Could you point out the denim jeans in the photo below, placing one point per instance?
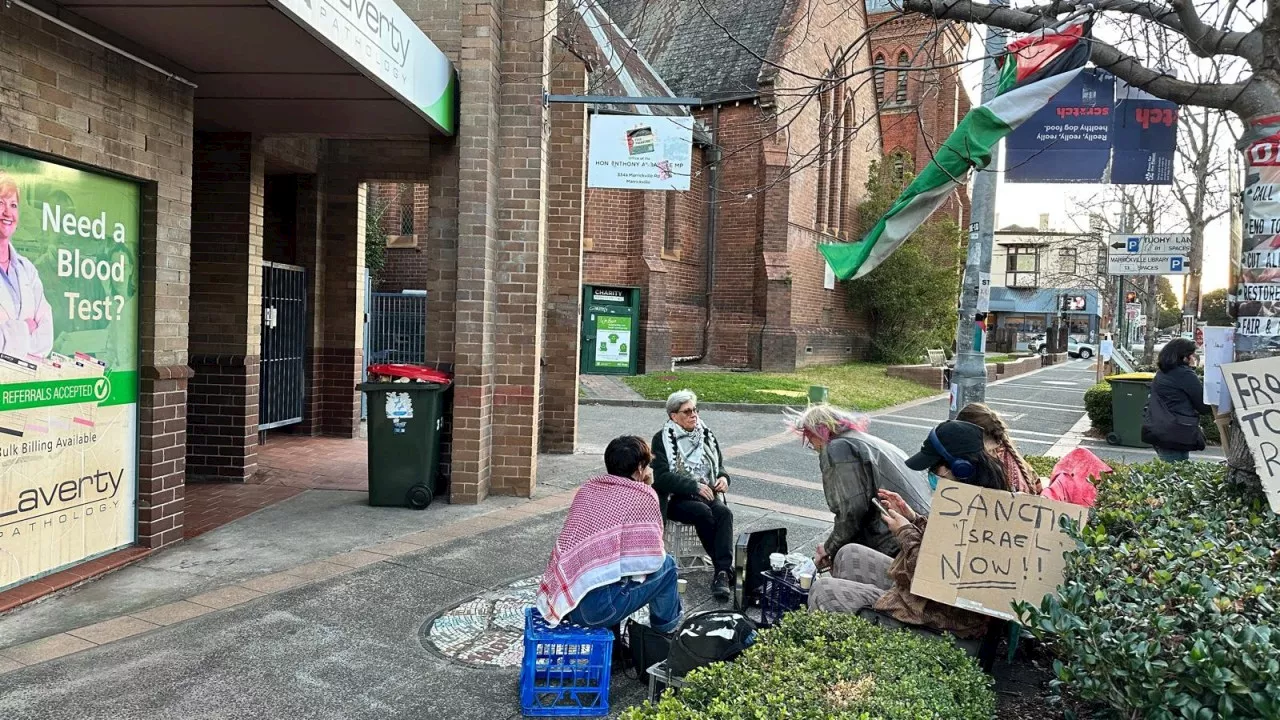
(609, 605)
(1173, 455)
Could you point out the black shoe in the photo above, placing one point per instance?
(721, 585)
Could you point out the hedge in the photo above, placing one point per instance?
(816, 665)
(1169, 607)
(1097, 404)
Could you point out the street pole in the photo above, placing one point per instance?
(969, 379)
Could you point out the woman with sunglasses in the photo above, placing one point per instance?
(862, 578)
(689, 477)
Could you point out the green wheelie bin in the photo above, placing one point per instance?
(1129, 393)
(406, 420)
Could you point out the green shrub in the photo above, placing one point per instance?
(1097, 403)
(1211, 433)
(816, 666)
(1169, 607)
(1042, 464)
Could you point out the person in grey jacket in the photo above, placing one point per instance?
(855, 466)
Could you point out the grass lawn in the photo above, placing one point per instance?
(862, 386)
(1000, 358)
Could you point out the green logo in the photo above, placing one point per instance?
(613, 338)
(101, 389)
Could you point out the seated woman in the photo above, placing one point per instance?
(1017, 471)
(855, 466)
(863, 578)
(609, 560)
(689, 477)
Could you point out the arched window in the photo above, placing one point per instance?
(899, 166)
(878, 74)
(904, 61)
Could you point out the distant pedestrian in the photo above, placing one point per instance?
(609, 560)
(690, 479)
(1172, 417)
(1019, 475)
(1106, 349)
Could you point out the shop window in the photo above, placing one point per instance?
(1067, 261)
(904, 61)
(1022, 266)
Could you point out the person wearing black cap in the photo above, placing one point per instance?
(862, 578)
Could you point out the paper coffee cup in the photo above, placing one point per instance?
(777, 561)
(806, 581)
(681, 585)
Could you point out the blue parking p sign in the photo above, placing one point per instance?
(1175, 264)
(1133, 244)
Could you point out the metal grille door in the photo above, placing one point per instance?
(282, 379)
(397, 327)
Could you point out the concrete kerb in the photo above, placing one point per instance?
(766, 408)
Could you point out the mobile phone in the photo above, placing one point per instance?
(883, 510)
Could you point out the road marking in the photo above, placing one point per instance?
(1059, 382)
(1042, 387)
(1103, 445)
(770, 477)
(882, 420)
(1072, 439)
(1036, 405)
(782, 508)
(763, 443)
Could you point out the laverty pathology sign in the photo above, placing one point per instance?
(377, 36)
(68, 365)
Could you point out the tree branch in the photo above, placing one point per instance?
(1224, 96)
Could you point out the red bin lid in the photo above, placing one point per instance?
(412, 372)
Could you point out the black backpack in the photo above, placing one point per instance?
(709, 637)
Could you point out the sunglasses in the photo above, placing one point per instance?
(689, 412)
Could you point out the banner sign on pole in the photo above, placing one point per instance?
(1144, 131)
(1069, 140)
(68, 365)
(1255, 395)
(1257, 309)
(640, 152)
(984, 550)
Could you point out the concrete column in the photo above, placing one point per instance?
(226, 306)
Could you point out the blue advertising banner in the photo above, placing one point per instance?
(1069, 141)
(1144, 131)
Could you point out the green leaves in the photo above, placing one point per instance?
(1168, 606)
(816, 666)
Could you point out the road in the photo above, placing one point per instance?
(1045, 410)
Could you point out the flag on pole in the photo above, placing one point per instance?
(1034, 69)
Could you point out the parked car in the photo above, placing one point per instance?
(1080, 349)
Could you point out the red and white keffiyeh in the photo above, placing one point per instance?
(614, 529)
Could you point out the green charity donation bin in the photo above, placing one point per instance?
(610, 330)
(406, 420)
(1129, 393)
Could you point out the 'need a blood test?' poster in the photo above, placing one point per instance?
(68, 365)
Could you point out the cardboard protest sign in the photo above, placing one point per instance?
(1255, 395)
(985, 549)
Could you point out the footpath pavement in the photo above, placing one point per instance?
(323, 607)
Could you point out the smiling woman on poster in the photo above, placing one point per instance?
(26, 320)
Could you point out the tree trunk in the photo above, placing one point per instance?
(1191, 299)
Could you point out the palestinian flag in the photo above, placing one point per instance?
(1035, 68)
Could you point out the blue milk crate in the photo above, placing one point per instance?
(779, 595)
(566, 669)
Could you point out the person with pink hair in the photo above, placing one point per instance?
(855, 467)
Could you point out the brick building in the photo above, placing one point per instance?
(729, 271)
(922, 95)
(242, 167)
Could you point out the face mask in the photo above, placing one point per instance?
(933, 481)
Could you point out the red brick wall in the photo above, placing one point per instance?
(70, 98)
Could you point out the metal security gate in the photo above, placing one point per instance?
(282, 374)
(395, 329)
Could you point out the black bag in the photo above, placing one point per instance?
(709, 637)
(1164, 429)
(645, 647)
(752, 558)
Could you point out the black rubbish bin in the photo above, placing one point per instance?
(406, 420)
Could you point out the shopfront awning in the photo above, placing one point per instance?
(1044, 301)
(344, 68)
